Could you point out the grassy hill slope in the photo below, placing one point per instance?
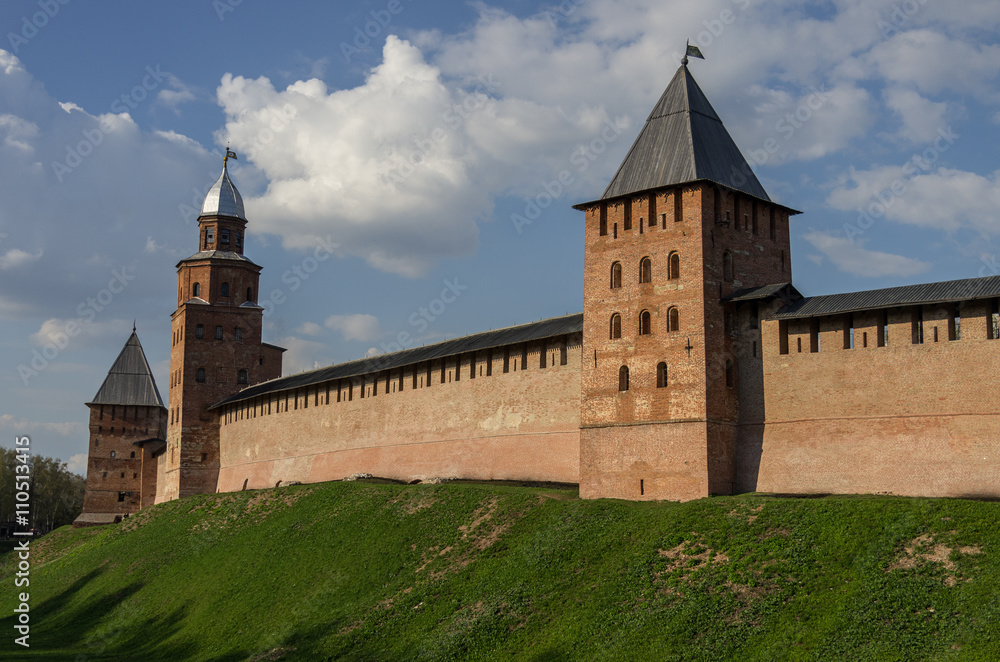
(369, 571)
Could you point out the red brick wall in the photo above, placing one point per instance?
(695, 354)
(116, 428)
(522, 425)
(906, 419)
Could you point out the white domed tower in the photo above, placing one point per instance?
(216, 347)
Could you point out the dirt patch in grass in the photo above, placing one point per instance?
(924, 551)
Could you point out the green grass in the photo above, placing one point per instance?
(368, 571)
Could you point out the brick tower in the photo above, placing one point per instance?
(683, 228)
(128, 423)
(216, 347)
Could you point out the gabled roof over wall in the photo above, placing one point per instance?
(555, 326)
(130, 381)
(968, 289)
(683, 141)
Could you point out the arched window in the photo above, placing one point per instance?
(199, 375)
(661, 374)
(674, 270)
(623, 378)
(730, 377)
(645, 270)
(673, 320)
(237, 333)
(112, 453)
(616, 275)
(196, 290)
(616, 326)
(250, 294)
(241, 377)
(224, 291)
(644, 323)
(727, 266)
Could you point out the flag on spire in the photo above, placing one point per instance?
(693, 51)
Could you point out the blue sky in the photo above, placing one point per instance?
(406, 135)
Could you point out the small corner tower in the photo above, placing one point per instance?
(128, 424)
(683, 224)
(216, 347)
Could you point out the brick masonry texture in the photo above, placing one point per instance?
(519, 425)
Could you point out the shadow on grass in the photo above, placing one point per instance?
(89, 630)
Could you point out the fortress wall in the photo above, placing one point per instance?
(520, 425)
(904, 418)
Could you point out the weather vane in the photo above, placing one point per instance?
(691, 51)
(230, 154)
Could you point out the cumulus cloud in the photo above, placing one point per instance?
(921, 118)
(78, 464)
(19, 133)
(946, 199)
(15, 258)
(61, 332)
(310, 329)
(301, 355)
(74, 428)
(853, 258)
(355, 327)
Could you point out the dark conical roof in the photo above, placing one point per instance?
(683, 141)
(130, 381)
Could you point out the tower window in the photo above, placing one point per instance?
(644, 323)
(209, 236)
(645, 270)
(121, 495)
(674, 266)
(623, 378)
(218, 333)
(250, 294)
(223, 236)
(616, 275)
(199, 375)
(604, 220)
(616, 326)
(196, 289)
(661, 374)
(673, 319)
(773, 229)
(239, 239)
(199, 331)
(730, 376)
(237, 333)
(112, 453)
(132, 455)
(628, 215)
(224, 290)
(727, 266)
(241, 377)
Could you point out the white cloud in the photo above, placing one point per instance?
(19, 132)
(61, 332)
(301, 355)
(945, 199)
(310, 329)
(78, 464)
(853, 258)
(15, 258)
(921, 117)
(74, 428)
(355, 327)
(172, 98)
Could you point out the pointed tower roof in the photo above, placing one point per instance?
(223, 199)
(683, 141)
(130, 381)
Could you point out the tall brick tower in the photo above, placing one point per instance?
(682, 230)
(216, 347)
(128, 423)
